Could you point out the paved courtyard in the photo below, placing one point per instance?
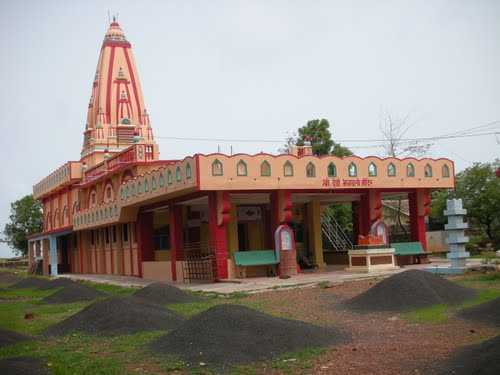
(332, 274)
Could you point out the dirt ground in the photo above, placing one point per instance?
(381, 343)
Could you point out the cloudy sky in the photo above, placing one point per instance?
(249, 70)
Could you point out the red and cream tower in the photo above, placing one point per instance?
(117, 116)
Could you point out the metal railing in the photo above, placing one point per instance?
(334, 233)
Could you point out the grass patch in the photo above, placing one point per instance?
(440, 313)
(192, 308)
(433, 314)
(111, 289)
(29, 293)
(12, 315)
(84, 354)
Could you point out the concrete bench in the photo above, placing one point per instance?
(409, 252)
(249, 258)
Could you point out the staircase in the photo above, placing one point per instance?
(334, 233)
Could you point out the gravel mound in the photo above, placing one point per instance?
(8, 278)
(231, 334)
(10, 337)
(408, 290)
(479, 359)
(31, 282)
(117, 315)
(73, 293)
(163, 293)
(488, 312)
(23, 366)
(60, 282)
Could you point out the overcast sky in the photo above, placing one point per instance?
(249, 69)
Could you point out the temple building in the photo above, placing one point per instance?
(122, 210)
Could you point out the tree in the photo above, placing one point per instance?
(479, 189)
(318, 133)
(25, 219)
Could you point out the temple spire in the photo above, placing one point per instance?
(116, 108)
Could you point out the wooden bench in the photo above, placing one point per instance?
(409, 252)
(249, 258)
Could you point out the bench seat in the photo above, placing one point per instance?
(255, 258)
(408, 248)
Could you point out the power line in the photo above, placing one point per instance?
(241, 140)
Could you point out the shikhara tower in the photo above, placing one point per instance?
(117, 116)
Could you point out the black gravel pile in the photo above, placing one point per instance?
(479, 359)
(73, 293)
(8, 278)
(10, 337)
(225, 335)
(409, 290)
(23, 366)
(31, 282)
(60, 282)
(117, 315)
(163, 293)
(488, 312)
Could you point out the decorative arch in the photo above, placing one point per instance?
(189, 173)
(427, 170)
(217, 168)
(310, 170)
(56, 219)
(65, 216)
(170, 177)
(445, 171)
(178, 174)
(109, 192)
(265, 169)
(391, 170)
(372, 170)
(92, 198)
(352, 170)
(410, 170)
(288, 169)
(127, 175)
(241, 168)
(332, 170)
(48, 221)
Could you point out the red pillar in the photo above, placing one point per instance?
(145, 238)
(363, 214)
(176, 240)
(219, 208)
(419, 202)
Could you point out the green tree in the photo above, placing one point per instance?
(25, 219)
(318, 133)
(479, 189)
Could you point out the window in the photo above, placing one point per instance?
(310, 170)
(188, 171)
(241, 168)
(161, 238)
(446, 171)
(372, 170)
(125, 232)
(178, 176)
(162, 180)
(265, 169)
(146, 185)
(410, 170)
(170, 178)
(428, 170)
(114, 233)
(139, 188)
(217, 169)
(391, 170)
(332, 170)
(288, 169)
(352, 170)
(153, 183)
